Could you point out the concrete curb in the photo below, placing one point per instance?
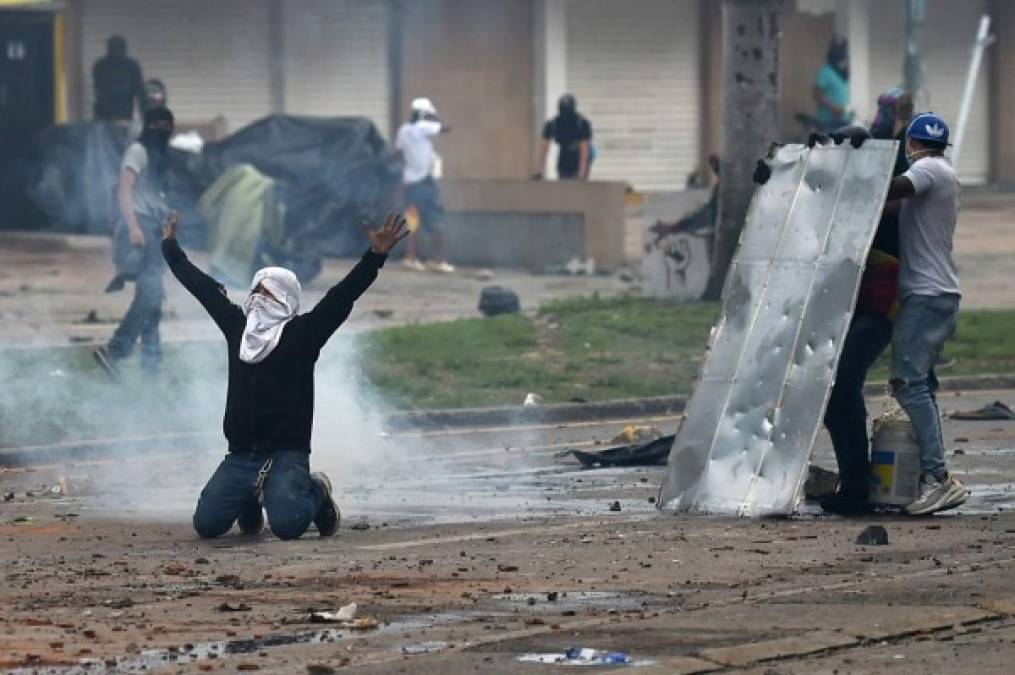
(656, 406)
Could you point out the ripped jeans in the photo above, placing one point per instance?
(291, 498)
(924, 324)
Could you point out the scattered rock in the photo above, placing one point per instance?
(875, 535)
(384, 313)
(8, 496)
(507, 568)
(241, 607)
(360, 525)
(319, 669)
(615, 506)
(959, 451)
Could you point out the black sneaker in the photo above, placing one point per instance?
(107, 363)
(252, 522)
(845, 504)
(328, 518)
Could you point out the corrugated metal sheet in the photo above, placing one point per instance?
(950, 30)
(787, 303)
(633, 66)
(337, 59)
(213, 56)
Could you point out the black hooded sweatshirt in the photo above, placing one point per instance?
(118, 82)
(270, 405)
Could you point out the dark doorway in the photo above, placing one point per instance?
(26, 106)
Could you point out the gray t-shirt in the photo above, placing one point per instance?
(927, 229)
(149, 198)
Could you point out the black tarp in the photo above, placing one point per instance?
(332, 174)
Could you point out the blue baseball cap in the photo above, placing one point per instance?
(928, 127)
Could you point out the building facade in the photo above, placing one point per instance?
(647, 73)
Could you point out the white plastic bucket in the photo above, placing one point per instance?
(895, 464)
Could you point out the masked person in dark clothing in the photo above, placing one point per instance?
(870, 331)
(141, 198)
(118, 82)
(272, 351)
(573, 133)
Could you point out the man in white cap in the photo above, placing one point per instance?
(421, 196)
(272, 350)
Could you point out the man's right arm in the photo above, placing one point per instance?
(205, 289)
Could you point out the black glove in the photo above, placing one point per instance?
(817, 138)
(762, 172)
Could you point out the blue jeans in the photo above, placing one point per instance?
(145, 312)
(291, 498)
(846, 415)
(924, 324)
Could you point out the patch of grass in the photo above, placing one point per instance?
(589, 348)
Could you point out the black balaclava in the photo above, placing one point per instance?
(156, 141)
(838, 57)
(567, 115)
(116, 46)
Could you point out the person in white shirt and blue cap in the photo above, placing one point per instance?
(929, 296)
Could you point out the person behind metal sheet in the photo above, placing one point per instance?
(421, 197)
(272, 352)
(572, 132)
(142, 208)
(118, 82)
(929, 294)
(831, 88)
(870, 331)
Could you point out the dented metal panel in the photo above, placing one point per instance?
(744, 445)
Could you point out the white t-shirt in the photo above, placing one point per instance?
(415, 141)
(927, 230)
(149, 200)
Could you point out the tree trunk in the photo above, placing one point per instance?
(750, 118)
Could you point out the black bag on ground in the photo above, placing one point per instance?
(494, 300)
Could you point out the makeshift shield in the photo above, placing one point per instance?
(787, 303)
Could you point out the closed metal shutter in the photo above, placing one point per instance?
(633, 66)
(214, 57)
(950, 29)
(337, 59)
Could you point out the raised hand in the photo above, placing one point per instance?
(392, 232)
(169, 228)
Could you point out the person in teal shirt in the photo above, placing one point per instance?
(831, 88)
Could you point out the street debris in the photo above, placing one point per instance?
(345, 617)
(615, 506)
(633, 433)
(8, 496)
(582, 656)
(384, 313)
(992, 411)
(653, 453)
(240, 607)
(875, 535)
(820, 482)
(361, 524)
(319, 669)
(532, 399)
(494, 300)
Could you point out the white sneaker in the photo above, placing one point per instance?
(413, 264)
(441, 267)
(936, 495)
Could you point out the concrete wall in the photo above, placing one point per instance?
(542, 223)
(475, 61)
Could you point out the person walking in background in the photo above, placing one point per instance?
(421, 196)
(142, 206)
(831, 88)
(573, 134)
(118, 83)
